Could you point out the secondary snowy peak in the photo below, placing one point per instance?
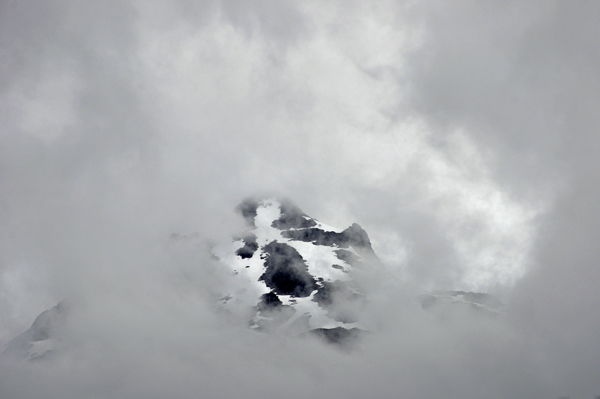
(293, 272)
(474, 301)
(42, 338)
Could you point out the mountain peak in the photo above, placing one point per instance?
(294, 272)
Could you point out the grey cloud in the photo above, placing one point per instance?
(468, 130)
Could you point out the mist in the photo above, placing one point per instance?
(461, 136)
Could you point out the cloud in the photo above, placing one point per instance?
(462, 137)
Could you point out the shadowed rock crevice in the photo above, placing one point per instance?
(286, 272)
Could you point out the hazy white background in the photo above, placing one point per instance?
(461, 135)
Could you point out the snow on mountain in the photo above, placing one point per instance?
(292, 273)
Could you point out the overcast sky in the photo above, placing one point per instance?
(463, 136)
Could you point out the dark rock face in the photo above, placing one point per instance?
(292, 217)
(286, 272)
(273, 311)
(250, 246)
(357, 237)
(269, 301)
(317, 237)
(348, 257)
(353, 236)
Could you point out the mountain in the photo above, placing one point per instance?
(286, 272)
(292, 273)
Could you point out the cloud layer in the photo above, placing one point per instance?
(461, 136)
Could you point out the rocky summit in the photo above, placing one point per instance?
(292, 273)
